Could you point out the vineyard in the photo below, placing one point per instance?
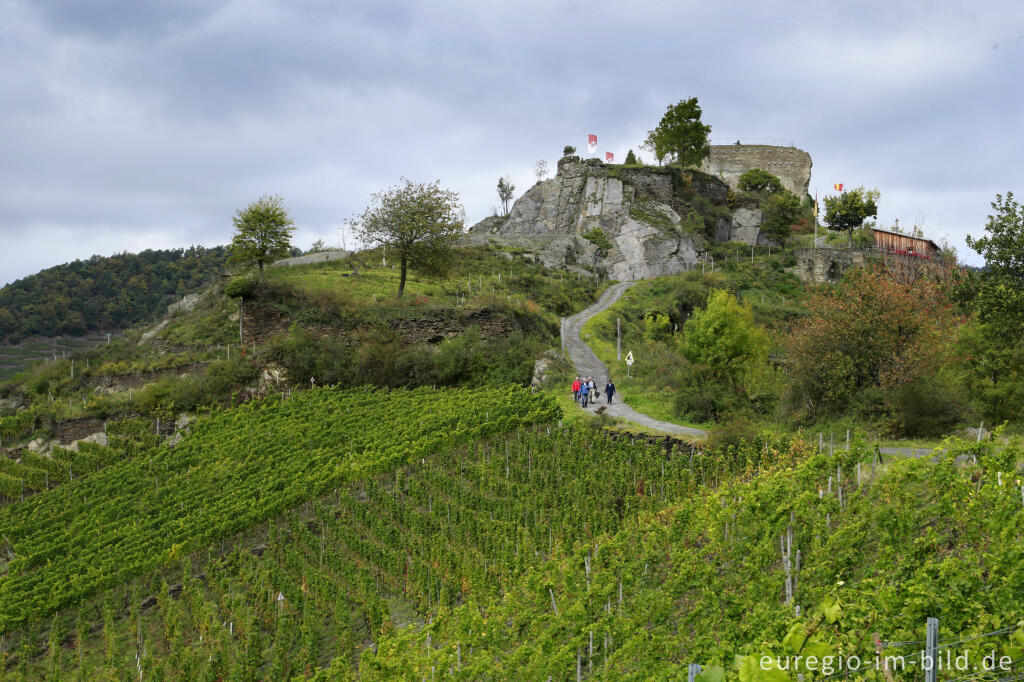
(464, 533)
(238, 468)
(803, 553)
(36, 472)
(324, 580)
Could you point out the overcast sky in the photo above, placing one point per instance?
(147, 123)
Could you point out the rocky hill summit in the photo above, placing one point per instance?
(630, 222)
(640, 222)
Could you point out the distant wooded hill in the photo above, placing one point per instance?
(104, 293)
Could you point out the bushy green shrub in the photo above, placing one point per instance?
(657, 325)
(240, 287)
(735, 431)
(928, 406)
(598, 238)
(757, 180)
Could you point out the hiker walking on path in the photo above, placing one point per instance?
(576, 390)
(584, 393)
(609, 390)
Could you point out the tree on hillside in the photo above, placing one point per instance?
(724, 338)
(846, 212)
(867, 343)
(680, 136)
(568, 150)
(1000, 286)
(262, 232)
(781, 211)
(757, 180)
(541, 169)
(631, 158)
(418, 223)
(506, 191)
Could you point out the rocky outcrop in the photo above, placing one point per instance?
(99, 438)
(318, 257)
(12, 403)
(746, 225)
(620, 220)
(151, 334)
(185, 305)
(542, 369)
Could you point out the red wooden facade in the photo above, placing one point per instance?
(904, 244)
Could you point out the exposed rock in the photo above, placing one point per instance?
(489, 225)
(971, 433)
(553, 218)
(148, 336)
(99, 438)
(271, 377)
(746, 225)
(541, 367)
(319, 257)
(13, 403)
(181, 427)
(185, 305)
(42, 446)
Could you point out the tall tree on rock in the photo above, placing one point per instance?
(417, 222)
(846, 212)
(506, 191)
(262, 232)
(680, 136)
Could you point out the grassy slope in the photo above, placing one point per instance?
(322, 296)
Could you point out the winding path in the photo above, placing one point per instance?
(587, 364)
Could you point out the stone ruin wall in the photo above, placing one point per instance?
(791, 165)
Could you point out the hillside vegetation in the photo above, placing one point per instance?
(393, 534)
(700, 576)
(339, 323)
(104, 293)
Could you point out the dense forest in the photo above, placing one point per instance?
(104, 293)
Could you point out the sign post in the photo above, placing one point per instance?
(629, 362)
(618, 338)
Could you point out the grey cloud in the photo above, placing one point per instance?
(162, 118)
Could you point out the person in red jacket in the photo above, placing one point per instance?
(576, 390)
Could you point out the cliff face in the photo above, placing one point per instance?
(623, 220)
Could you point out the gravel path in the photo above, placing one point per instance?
(587, 364)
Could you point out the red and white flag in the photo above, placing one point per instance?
(838, 186)
(609, 157)
(591, 144)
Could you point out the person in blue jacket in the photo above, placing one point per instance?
(584, 393)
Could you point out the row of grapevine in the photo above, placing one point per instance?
(705, 581)
(17, 425)
(236, 469)
(463, 524)
(36, 472)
